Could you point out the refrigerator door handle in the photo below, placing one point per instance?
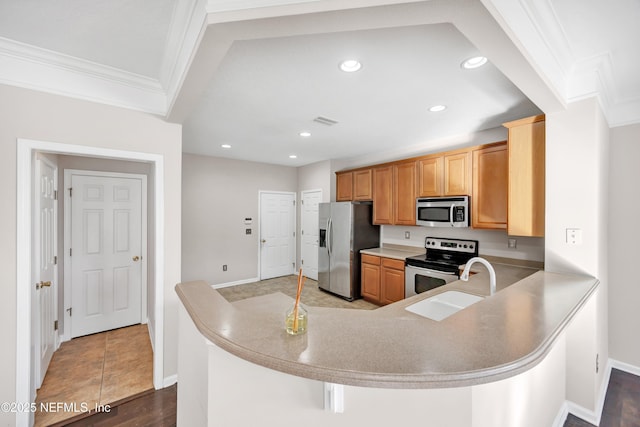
(329, 235)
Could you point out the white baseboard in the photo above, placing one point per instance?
(151, 336)
(170, 380)
(239, 282)
(594, 417)
(631, 369)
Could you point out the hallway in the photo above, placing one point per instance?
(95, 371)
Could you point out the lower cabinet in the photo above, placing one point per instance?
(382, 279)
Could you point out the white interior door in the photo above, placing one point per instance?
(45, 264)
(277, 234)
(106, 253)
(310, 231)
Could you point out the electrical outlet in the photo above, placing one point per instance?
(574, 236)
(513, 243)
(247, 231)
(407, 235)
(224, 267)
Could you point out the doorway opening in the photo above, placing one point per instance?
(26, 150)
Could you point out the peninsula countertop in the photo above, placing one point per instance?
(498, 337)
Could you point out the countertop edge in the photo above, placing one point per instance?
(370, 379)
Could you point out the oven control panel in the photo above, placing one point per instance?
(451, 245)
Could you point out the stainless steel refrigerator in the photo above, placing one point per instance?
(345, 229)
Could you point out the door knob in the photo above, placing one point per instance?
(43, 284)
(263, 241)
(136, 258)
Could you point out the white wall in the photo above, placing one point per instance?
(32, 115)
(218, 194)
(624, 235)
(577, 183)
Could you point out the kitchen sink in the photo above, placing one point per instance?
(443, 305)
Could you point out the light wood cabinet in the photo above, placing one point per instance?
(490, 185)
(370, 278)
(362, 185)
(430, 176)
(445, 174)
(383, 195)
(404, 193)
(344, 186)
(391, 281)
(526, 191)
(382, 280)
(457, 174)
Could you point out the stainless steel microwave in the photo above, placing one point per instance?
(443, 211)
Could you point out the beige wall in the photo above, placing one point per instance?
(32, 115)
(624, 235)
(218, 194)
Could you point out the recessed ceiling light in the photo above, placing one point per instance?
(437, 108)
(350, 65)
(293, 156)
(475, 62)
(305, 134)
(225, 146)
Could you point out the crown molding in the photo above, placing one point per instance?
(40, 69)
(534, 26)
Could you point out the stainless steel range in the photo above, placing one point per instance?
(439, 265)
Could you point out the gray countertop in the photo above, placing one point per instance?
(498, 337)
(395, 252)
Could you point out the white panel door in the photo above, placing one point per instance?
(310, 231)
(45, 247)
(277, 234)
(106, 244)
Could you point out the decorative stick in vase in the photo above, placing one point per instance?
(301, 280)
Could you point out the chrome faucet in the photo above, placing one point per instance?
(492, 272)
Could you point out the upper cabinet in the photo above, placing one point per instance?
(404, 191)
(344, 186)
(383, 195)
(354, 185)
(526, 147)
(445, 174)
(490, 184)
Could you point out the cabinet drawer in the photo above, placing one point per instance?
(393, 263)
(370, 259)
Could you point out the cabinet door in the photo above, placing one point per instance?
(404, 186)
(362, 188)
(391, 281)
(457, 174)
(383, 195)
(430, 174)
(490, 184)
(344, 187)
(370, 280)
(526, 177)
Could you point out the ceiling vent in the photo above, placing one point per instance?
(325, 121)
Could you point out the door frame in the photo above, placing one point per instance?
(295, 239)
(25, 150)
(68, 174)
(302, 194)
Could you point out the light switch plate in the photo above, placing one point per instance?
(574, 236)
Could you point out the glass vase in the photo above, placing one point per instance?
(293, 326)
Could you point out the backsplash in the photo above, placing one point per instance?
(492, 242)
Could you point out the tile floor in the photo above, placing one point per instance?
(101, 369)
(311, 294)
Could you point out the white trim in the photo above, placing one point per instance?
(170, 380)
(622, 366)
(237, 282)
(24, 152)
(68, 174)
(562, 415)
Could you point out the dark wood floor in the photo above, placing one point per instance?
(155, 409)
(621, 405)
(621, 408)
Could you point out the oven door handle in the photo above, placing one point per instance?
(428, 270)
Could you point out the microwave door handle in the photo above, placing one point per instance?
(453, 205)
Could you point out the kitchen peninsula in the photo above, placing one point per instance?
(500, 362)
